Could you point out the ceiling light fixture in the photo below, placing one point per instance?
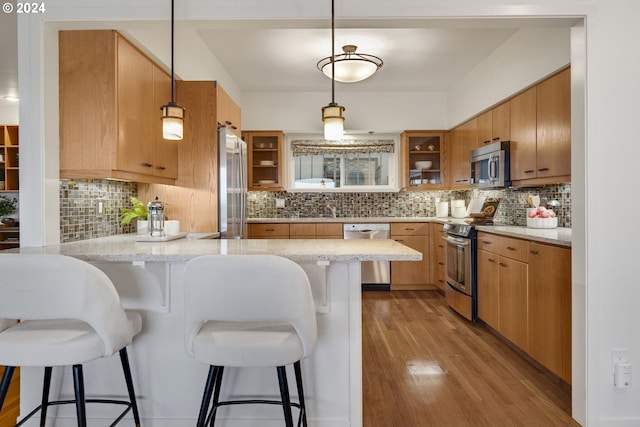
(332, 113)
(351, 66)
(172, 113)
(11, 98)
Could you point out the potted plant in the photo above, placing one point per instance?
(139, 212)
(8, 206)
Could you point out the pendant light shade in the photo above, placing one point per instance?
(172, 113)
(351, 66)
(332, 114)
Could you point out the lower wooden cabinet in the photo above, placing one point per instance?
(268, 231)
(550, 307)
(11, 408)
(406, 275)
(438, 253)
(524, 293)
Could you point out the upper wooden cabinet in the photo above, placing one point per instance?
(264, 160)
(464, 138)
(494, 125)
(419, 146)
(110, 99)
(228, 113)
(541, 132)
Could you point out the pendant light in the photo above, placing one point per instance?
(332, 113)
(351, 66)
(172, 113)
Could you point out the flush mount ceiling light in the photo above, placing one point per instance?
(11, 98)
(172, 113)
(332, 113)
(351, 66)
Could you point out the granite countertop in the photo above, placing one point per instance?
(557, 236)
(124, 248)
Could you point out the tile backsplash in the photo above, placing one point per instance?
(262, 204)
(80, 218)
(80, 200)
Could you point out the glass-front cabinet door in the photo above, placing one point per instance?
(423, 160)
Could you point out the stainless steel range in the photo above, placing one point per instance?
(461, 267)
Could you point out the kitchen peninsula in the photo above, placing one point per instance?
(149, 278)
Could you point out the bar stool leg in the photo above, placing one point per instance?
(126, 368)
(216, 394)
(78, 385)
(206, 397)
(5, 383)
(303, 408)
(284, 393)
(46, 386)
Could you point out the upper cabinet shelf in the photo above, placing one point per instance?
(110, 99)
(9, 158)
(422, 160)
(264, 161)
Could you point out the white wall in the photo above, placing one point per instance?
(608, 153)
(9, 115)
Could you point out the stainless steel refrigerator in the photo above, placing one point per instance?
(232, 185)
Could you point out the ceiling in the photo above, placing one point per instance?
(419, 55)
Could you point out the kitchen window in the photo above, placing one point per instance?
(351, 164)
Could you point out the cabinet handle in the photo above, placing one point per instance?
(486, 242)
(227, 122)
(487, 141)
(441, 246)
(492, 260)
(511, 248)
(502, 264)
(399, 240)
(543, 169)
(534, 252)
(462, 180)
(161, 168)
(269, 229)
(497, 138)
(441, 263)
(529, 171)
(409, 229)
(146, 165)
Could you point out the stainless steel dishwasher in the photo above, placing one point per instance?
(375, 274)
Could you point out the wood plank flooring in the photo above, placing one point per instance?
(423, 366)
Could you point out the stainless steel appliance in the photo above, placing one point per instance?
(461, 268)
(376, 275)
(490, 166)
(156, 218)
(232, 185)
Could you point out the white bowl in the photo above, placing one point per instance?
(426, 164)
(542, 222)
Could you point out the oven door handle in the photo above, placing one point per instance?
(461, 242)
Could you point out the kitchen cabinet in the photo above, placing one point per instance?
(268, 231)
(494, 125)
(11, 408)
(265, 160)
(407, 275)
(463, 139)
(503, 286)
(9, 159)
(110, 98)
(438, 254)
(541, 132)
(420, 146)
(550, 307)
(320, 230)
(228, 112)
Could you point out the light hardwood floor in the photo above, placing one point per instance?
(423, 365)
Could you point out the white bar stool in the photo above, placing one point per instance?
(248, 311)
(69, 313)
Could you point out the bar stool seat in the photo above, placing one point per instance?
(248, 311)
(69, 313)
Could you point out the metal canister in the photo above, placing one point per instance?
(156, 218)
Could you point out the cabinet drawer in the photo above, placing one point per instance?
(410, 228)
(257, 231)
(514, 248)
(302, 230)
(329, 230)
(488, 242)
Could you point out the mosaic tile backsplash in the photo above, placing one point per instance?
(262, 204)
(81, 220)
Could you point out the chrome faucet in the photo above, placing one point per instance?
(333, 210)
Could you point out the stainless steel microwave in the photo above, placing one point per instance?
(490, 166)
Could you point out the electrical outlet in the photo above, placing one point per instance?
(279, 203)
(618, 355)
